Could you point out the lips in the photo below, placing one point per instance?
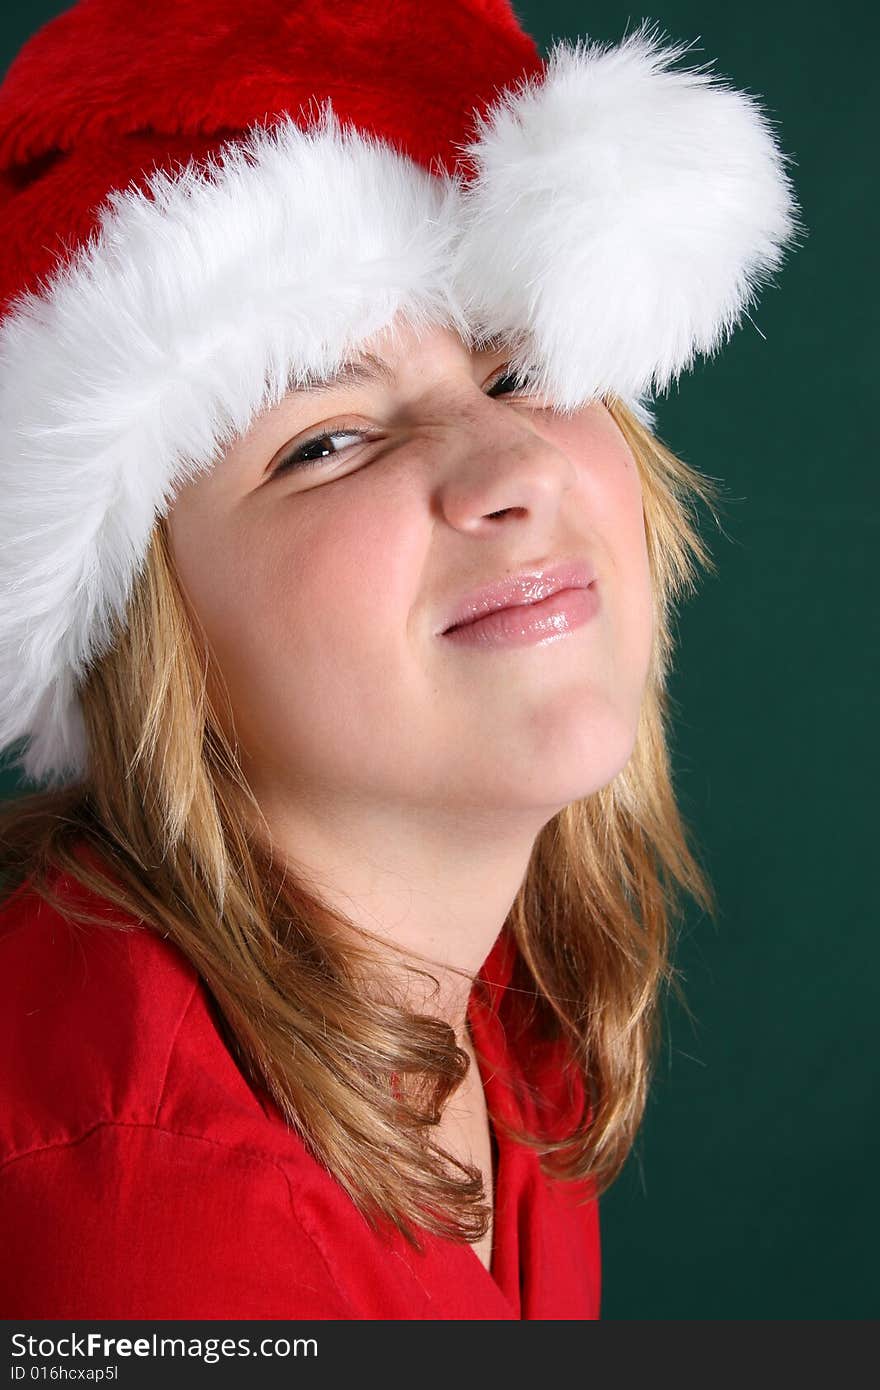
(528, 587)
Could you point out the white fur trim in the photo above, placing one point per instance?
(624, 212)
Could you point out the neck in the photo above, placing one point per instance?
(433, 890)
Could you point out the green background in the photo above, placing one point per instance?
(751, 1190)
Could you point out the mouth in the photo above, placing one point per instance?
(529, 589)
(562, 612)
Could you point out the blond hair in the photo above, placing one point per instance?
(167, 804)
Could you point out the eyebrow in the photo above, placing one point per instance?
(365, 369)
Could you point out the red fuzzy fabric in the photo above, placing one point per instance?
(107, 90)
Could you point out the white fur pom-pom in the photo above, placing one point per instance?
(620, 218)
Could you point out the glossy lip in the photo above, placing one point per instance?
(529, 624)
(528, 587)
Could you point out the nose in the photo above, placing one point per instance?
(498, 464)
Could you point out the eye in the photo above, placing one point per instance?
(315, 451)
(518, 382)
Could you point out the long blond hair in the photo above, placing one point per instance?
(360, 1078)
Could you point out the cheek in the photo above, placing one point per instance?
(307, 616)
(612, 525)
(609, 482)
(339, 580)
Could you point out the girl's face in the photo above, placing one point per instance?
(324, 589)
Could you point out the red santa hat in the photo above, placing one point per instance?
(206, 203)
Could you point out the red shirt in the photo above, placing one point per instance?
(141, 1176)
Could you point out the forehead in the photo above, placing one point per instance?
(400, 357)
(386, 356)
